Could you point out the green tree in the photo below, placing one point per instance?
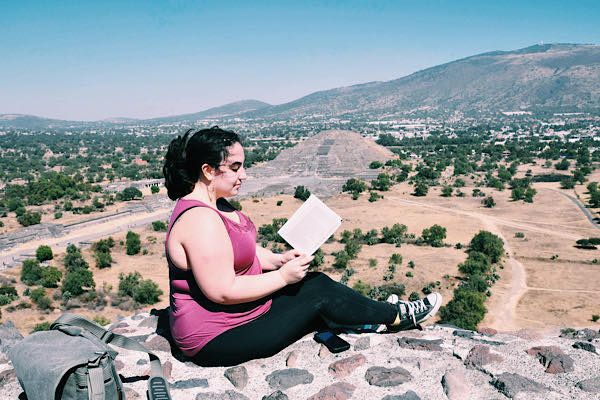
(447, 191)
(434, 235)
(31, 272)
(562, 165)
(130, 193)
(159, 226)
(393, 235)
(489, 244)
(50, 277)
(77, 281)
(44, 253)
(30, 218)
(147, 292)
(302, 193)
(103, 259)
(375, 164)
(421, 189)
(488, 202)
(133, 243)
(465, 310)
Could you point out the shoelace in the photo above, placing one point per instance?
(412, 307)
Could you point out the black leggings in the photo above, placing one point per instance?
(311, 304)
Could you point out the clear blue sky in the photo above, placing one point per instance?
(91, 60)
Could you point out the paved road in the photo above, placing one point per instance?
(581, 206)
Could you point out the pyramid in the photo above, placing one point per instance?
(322, 163)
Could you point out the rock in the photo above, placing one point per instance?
(167, 368)
(142, 361)
(149, 322)
(119, 365)
(463, 334)
(324, 352)
(121, 331)
(118, 325)
(480, 355)
(227, 395)
(190, 383)
(286, 378)
(420, 344)
(455, 385)
(510, 384)
(414, 362)
(158, 343)
(346, 366)
(292, 359)
(362, 343)
(487, 331)
(137, 317)
(528, 334)
(7, 376)
(553, 358)
(381, 376)
(9, 336)
(410, 395)
(584, 334)
(587, 346)
(238, 376)
(337, 391)
(591, 385)
(131, 394)
(140, 338)
(278, 395)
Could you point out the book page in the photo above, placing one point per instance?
(310, 226)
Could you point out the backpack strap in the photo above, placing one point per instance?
(157, 378)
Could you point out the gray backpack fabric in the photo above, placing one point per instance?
(72, 361)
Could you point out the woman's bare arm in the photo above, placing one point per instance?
(210, 257)
(269, 261)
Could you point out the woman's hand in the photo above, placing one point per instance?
(295, 269)
(288, 256)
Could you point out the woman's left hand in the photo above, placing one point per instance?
(288, 256)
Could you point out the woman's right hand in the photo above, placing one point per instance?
(295, 270)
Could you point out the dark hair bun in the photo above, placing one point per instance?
(187, 154)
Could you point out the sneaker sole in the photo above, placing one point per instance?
(436, 307)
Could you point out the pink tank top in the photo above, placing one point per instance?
(194, 319)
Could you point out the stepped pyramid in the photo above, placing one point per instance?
(322, 163)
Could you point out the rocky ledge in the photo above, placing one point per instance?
(439, 362)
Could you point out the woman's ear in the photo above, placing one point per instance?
(208, 172)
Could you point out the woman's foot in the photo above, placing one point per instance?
(412, 313)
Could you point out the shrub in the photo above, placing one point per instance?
(142, 291)
(159, 226)
(58, 215)
(382, 292)
(488, 244)
(130, 193)
(447, 191)
(133, 243)
(268, 232)
(103, 260)
(382, 183)
(394, 234)
(465, 310)
(411, 264)
(318, 260)
(31, 272)
(519, 235)
(302, 193)
(352, 248)
(73, 259)
(154, 189)
(42, 326)
(374, 196)
(372, 262)
(30, 218)
(414, 296)
(44, 253)
(434, 235)
(595, 317)
(236, 204)
(279, 203)
(421, 189)
(488, 202)
(409, 274)
(396, 259)
(101, 319)
(128, 283)
(375, 165)
(50, 277)
(341, 259)
(8, 294)
(77, 281)
(354, 185)
(362, 288)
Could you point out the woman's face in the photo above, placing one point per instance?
(231, 172)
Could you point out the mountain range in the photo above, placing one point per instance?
(539, 78)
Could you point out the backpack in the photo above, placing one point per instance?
(72, 361)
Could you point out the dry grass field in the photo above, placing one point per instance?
(534, 291)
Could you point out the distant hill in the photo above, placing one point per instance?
(547, 78)
(551, 77)
(226, 110)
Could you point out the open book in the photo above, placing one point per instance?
(310, 226)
